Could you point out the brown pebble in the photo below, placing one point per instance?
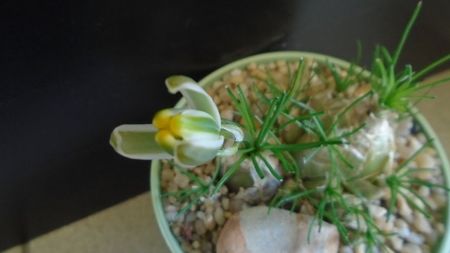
(200, 227)
(210, 223)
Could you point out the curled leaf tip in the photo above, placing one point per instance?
(196, 97)
(176, 82)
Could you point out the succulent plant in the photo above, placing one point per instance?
(365, 155)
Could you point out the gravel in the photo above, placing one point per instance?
(198, 229)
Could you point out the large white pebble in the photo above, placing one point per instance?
(255, 230)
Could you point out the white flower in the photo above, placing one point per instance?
(191, 136)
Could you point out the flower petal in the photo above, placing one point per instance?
(191, 154)
(137, 142)
(194, 124)
(196, 96)
(232, 131)
(229, 151)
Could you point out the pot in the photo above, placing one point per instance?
(442, 247)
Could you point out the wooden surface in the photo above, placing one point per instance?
(127, 227)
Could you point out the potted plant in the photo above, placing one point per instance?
(313, 149)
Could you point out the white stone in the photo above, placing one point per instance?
(255, 230)
(421, 223)
(396, 242)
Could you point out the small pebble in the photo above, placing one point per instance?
(414, 238)
(172, 187)
(404, 127)
(200, 228)
(421, 223)
(236, 205)
(195, 244)
(440, 200)
(307, 208)
(440, 228)
(224, 190)
(176, 230)
(216, 99)
(170, 208)
(226, 203)
(360, 248)
(190, 217)
(411, 248)
(424, 191)
(227, 114)
(396, 242)
(402, 228)
(377, 211)
(424, 160)
(172, 200)
(206, 247)
(346, 249)
(385, 225)
(403, 208)
(181, 180)
(356, 222)
(200, 215)
(166, 175)
(218, 216)
(210, 224)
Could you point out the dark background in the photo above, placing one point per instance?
(70, 71)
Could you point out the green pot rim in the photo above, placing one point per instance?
(442, 247)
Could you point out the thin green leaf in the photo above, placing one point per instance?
(406, 33)
(413, 156)
(431, 67)
(414, 205)
(270, 167)
(299, 118)
(228, 173)
(355, 102)
(272, 115)
(300, 146)
(257, 167)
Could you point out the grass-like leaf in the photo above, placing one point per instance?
(228, 174)
(300, 146)
(257, 167)
(270, 167)
(397, 89)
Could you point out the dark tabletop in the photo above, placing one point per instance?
(70, 71)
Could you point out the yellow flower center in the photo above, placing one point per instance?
(168, 129)
(162, 119)
(174, 126)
